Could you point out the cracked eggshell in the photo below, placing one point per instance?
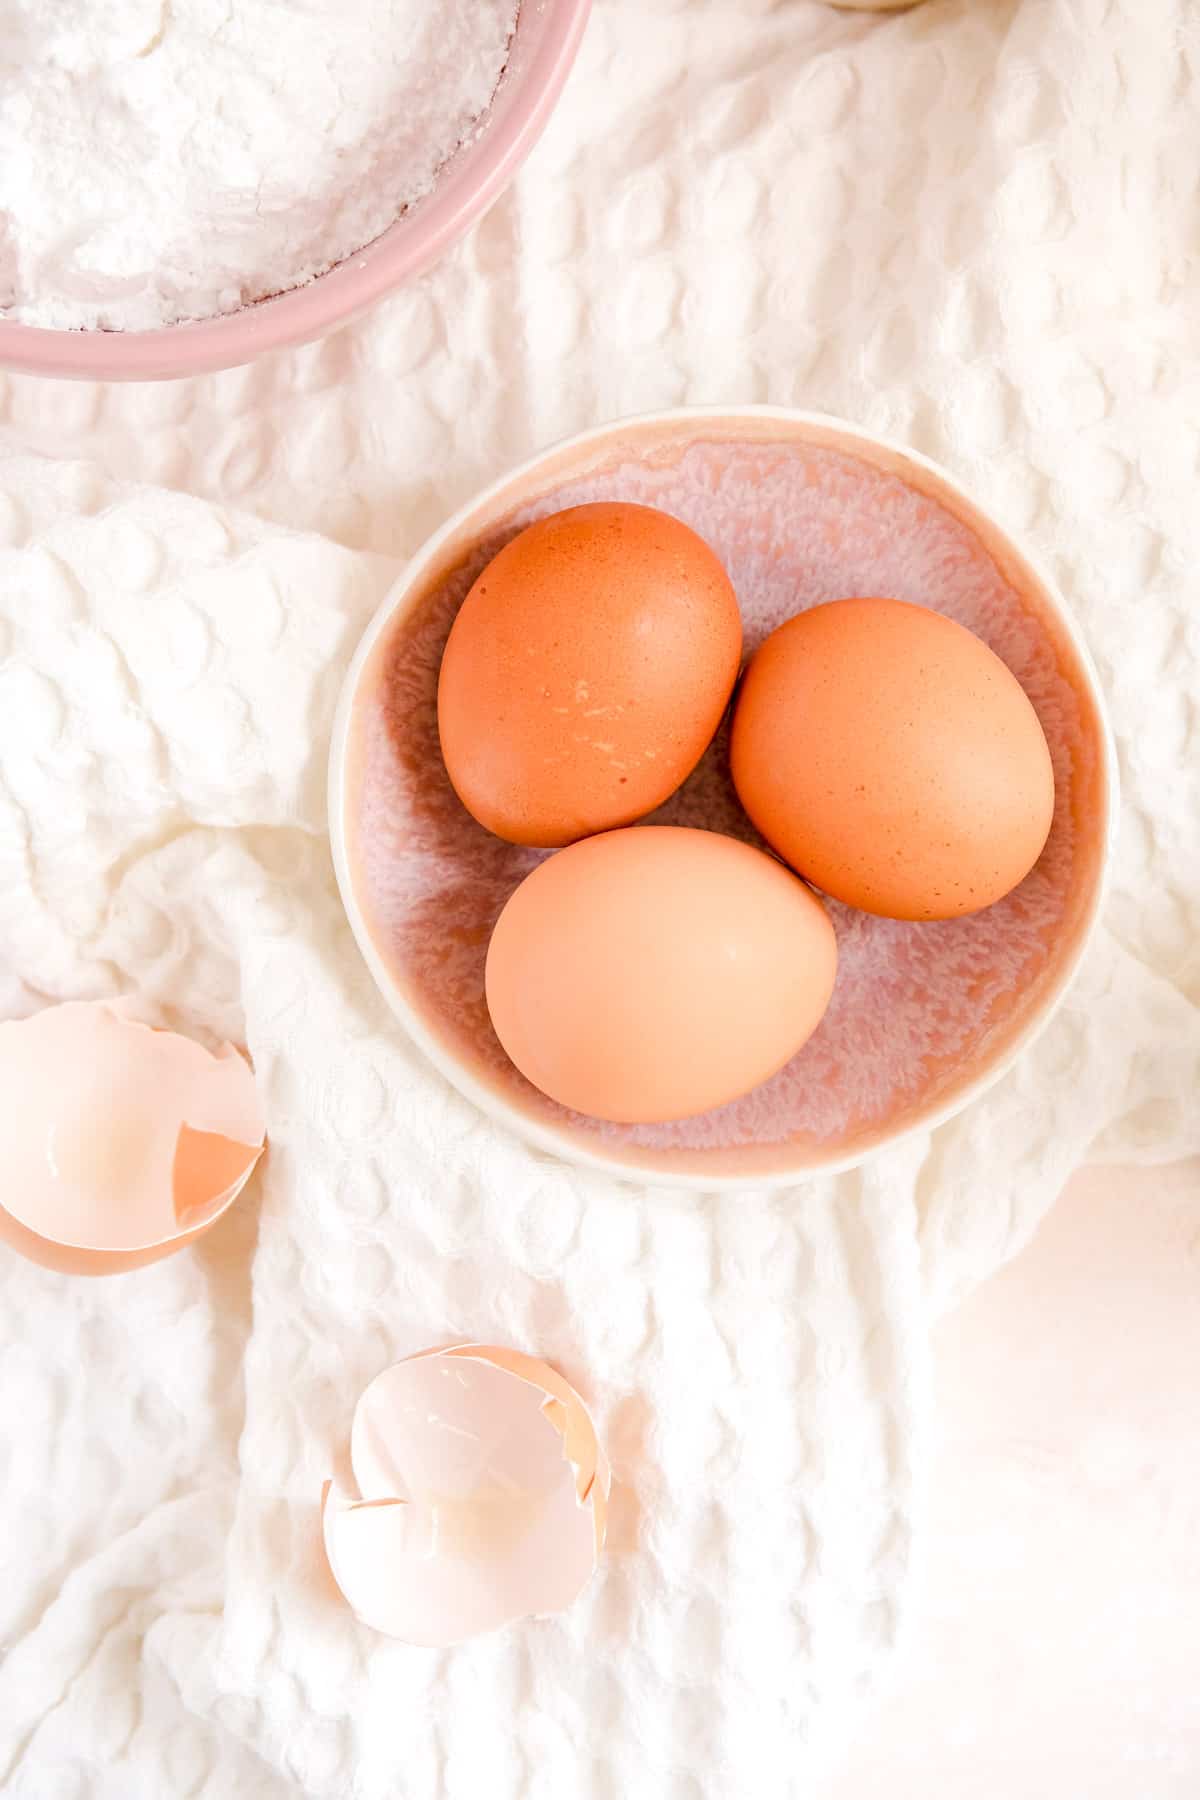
(121, 1143)
(484, 1494)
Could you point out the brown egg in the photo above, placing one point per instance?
(654, 973)
(892, 759)
(586, 672)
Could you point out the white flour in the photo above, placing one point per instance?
(163, 160)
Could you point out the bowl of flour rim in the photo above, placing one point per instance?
(539, 59)
(802, 509)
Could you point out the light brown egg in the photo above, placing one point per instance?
(586, 672)
(653, 973)
(893, 759)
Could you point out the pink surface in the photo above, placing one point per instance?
(548, 35)
(1055, 1638)
(919, 1011)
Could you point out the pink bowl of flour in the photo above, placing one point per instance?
(802, 509)
(548, 34)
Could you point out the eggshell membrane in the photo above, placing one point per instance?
(892, 758)
(586, 672)
(654, 972)
(123, 1144)
(484, 1494)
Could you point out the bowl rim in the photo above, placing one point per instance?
(342, 293)
(544, 1137)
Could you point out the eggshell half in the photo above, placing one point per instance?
(653, 973)
(586, 672)
(122, 1143)
(483, 1496)
(892, 758)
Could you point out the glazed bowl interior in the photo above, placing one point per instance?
(802, 509)
(544, 46)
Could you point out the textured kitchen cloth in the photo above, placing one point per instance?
(971, 226)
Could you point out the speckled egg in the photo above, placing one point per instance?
(586, 672)
(892, 758)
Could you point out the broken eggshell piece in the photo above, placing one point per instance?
(484, 1496)
(121, 1143)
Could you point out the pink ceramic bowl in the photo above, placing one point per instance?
(548, 35)
(802, 509)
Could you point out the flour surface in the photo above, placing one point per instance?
(163, 160)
